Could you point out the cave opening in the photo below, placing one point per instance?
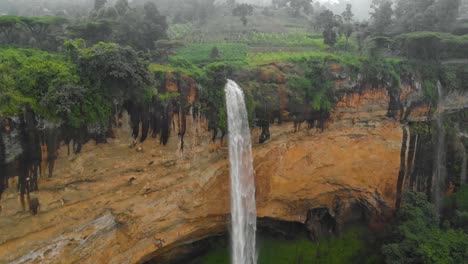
(321, 237)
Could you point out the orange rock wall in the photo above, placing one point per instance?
(112, 204)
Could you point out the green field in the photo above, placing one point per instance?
(313, 41)
(200, 53)
(265, 58)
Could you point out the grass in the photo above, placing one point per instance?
(350, 248)
(266, 58)
(200, 53)
(178, 31)
(192, 70)
(295, 39)
(223, 27)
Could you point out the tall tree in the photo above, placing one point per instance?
(348, 13)
(98, 4)
(122, 7)
(154, 25)
(115, 71)
(447, 12)
(92, 32)
(242, 11)
(347, 27)
(328, 22)
(300, 5)
(141, 28)
(426, 15)
(42, 27)
(414, 15)
(381, 16)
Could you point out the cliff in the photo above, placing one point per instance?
(113, 204)
(125, 203)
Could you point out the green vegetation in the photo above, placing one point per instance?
(180, 66)
(433, 45)
(79, 68)
(28, 76)
(200, 53)
(79, 90)
(420, 237)
(352, 247)
(266, 58)
(178, 31)
(293, 39)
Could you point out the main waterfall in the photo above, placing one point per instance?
(243, 211)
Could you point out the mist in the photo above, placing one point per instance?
(51, 7)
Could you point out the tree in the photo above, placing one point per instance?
(98, 4)
(215, 53)
(418, 237)
(41, 27)
(414, 15)
(154, 25)
(420, 45)
(464, 9)
(242, 11)
(122, 7)
(381, 16)
(92, 32)
(327, 21)
(362, 34)
(426, 15)
(347, 27)
(231, 3)
(447, 12)
(201, 10)
(115, 71)
(7, 27)
(300, 5)
(165, 48)
(348, 15)
(27, 76)
(66, 102)
(141, 28)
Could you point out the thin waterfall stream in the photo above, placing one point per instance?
(440, 171)
(243, 208)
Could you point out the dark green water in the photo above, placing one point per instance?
(355, 246)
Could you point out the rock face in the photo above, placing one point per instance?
(130, 202)
(114, 204)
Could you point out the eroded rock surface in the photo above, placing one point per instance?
(114, 204)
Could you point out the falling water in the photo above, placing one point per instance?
(464, 173)
(243, 211)
(440, 171)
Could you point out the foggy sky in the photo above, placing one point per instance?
(361, 8)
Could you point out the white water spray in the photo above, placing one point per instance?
(243, 211)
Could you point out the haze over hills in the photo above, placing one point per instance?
(48, 7)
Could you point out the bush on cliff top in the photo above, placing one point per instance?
(432, 45)
(27, 76)
(78, 90)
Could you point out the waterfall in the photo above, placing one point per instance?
(463, 173)
(243, 211)
(439, 173)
